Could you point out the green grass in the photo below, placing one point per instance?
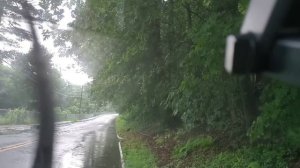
(198, 152)
(192, 145)
(17, 116)
(244, 158)
(136, 153)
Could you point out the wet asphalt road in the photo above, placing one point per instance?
(91, 143)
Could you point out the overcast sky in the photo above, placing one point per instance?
(69, 68)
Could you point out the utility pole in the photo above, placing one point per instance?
(80, 99)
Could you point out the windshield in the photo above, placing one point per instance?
(138, 84)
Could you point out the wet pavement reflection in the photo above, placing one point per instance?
(103, 150)
(90, 143)
(97, 148)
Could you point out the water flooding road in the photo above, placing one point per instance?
(91, 143)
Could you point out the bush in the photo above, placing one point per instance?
(18, 116)
(249, 158)
(193, 145)
(279, 121)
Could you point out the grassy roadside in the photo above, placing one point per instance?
(193, 150)
(18, 116)
(137, 153)
(181, 149)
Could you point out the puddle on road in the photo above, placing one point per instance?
(72, 161)
(99, 150)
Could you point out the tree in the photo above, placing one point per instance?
(164, 63)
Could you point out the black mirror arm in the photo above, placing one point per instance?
(268, 42)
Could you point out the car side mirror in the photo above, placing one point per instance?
(268, 42)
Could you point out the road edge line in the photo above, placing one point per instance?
(120, 149)
(16, 146)
(121, 154)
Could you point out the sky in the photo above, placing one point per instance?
(70, 70)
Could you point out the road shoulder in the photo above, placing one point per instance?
(135, 151)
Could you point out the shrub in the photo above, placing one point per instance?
(18, 116)
(192, 145)
(249, 158)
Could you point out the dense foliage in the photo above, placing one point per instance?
(162, 67)
(166, 63)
